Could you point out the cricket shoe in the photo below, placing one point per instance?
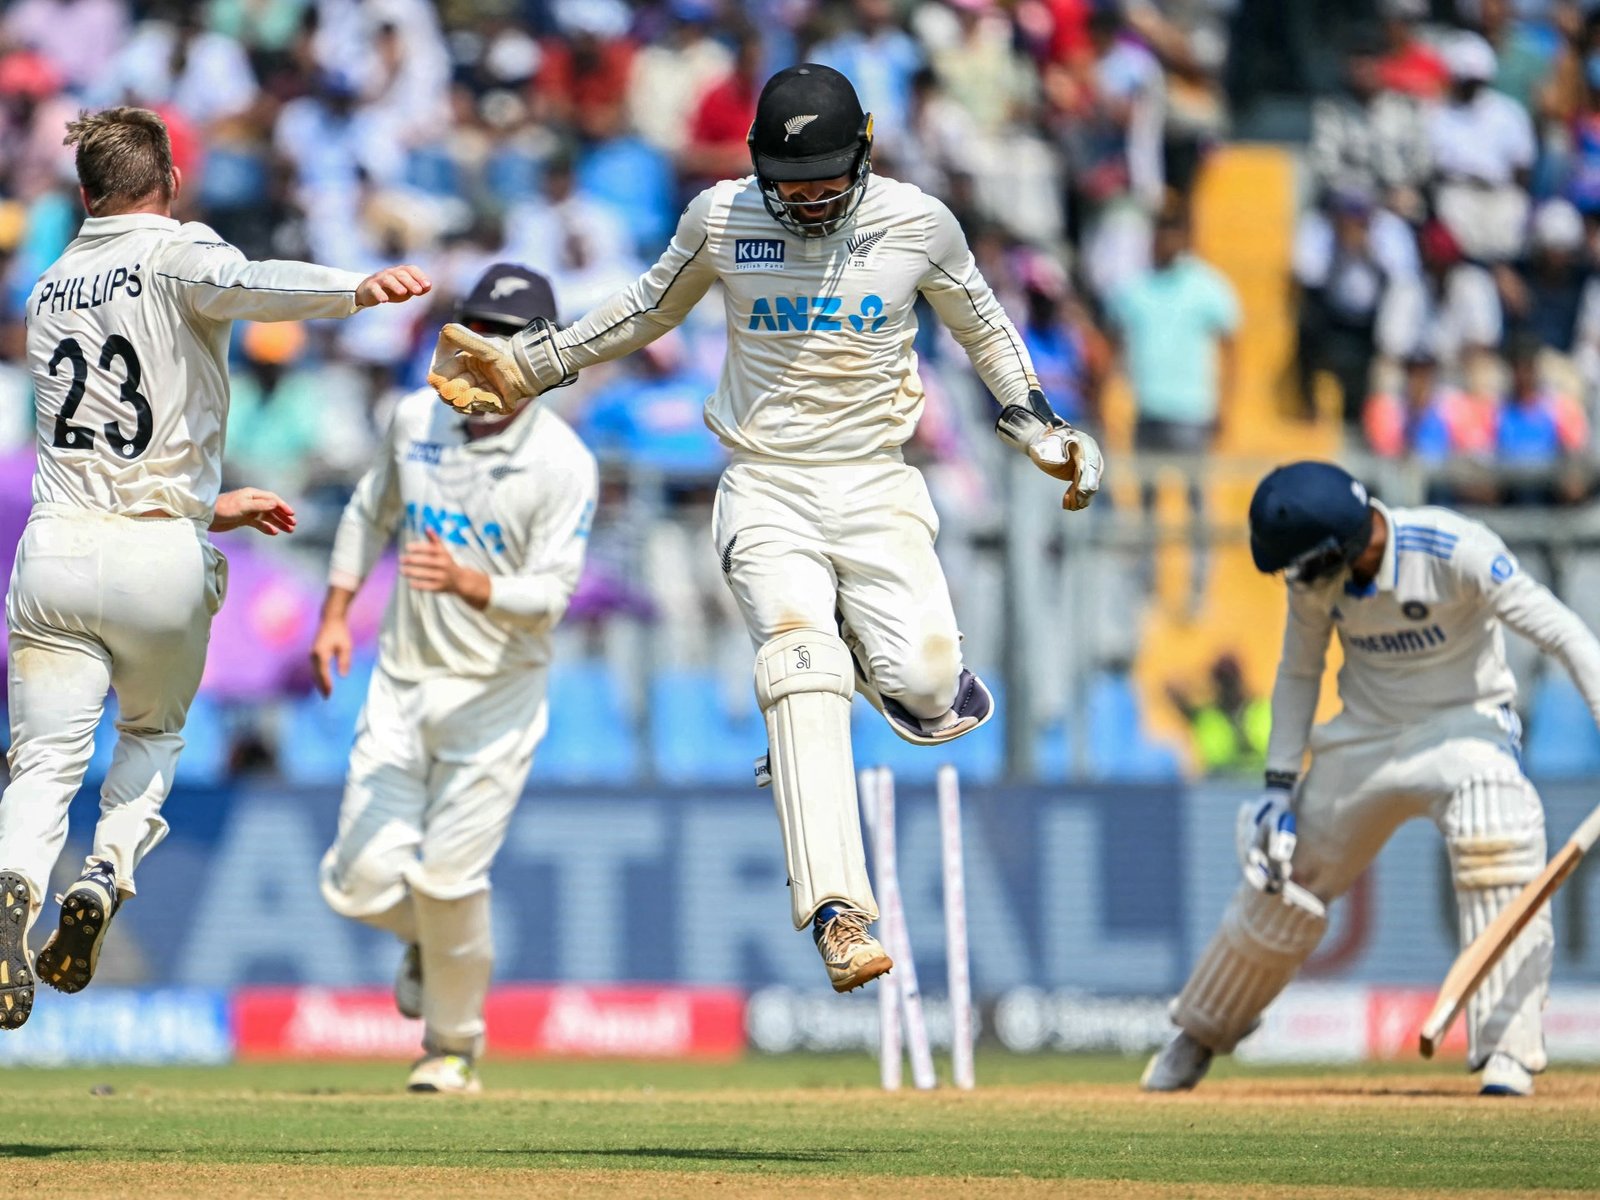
(16, 973)
(445, 1073)
(1181, 1063)
(68, 959)
(1505, 1076)
(408, 983)
(852, 955)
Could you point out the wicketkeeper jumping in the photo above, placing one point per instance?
(825, 534)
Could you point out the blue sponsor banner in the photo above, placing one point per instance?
(1109, 889)
(165, 1026)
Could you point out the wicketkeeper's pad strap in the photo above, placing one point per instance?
(539, 357)
(1021, 424)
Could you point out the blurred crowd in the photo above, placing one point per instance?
(567, 135)
(1447, 264)
(1443, 263)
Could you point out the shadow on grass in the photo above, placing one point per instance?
(355, 1156)
(713, 1153)
(34, 1150)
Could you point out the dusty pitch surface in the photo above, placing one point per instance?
(791, 1128)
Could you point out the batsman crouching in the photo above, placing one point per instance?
(493, 518)
(1419, 597)
(824, 533)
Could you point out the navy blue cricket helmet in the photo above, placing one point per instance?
(1309, 519)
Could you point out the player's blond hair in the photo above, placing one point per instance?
(124, 155)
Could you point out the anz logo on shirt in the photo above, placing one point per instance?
(815, 314)
(453, 528)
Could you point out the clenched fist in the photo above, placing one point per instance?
(477, 373)
(1055, 447)
(1069, 454)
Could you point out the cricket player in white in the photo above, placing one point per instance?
(493, 516)
(115, 583)
(1419, 598)
(825, 534)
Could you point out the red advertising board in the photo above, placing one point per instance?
(1394, 1019)
(524, 1021)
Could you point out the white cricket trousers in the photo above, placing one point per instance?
(98, 602)
(803, 546)
(436, 772)
(1459, 769)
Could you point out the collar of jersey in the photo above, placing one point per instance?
(508, 439)
(106, 226)
(1388, 571)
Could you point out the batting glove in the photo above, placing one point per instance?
(1055, 447)
(1265, 834)
(477, 373)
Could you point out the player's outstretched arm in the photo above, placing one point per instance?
(219, 283)
(253, 508)
(477, 374)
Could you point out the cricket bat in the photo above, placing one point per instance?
(1477, 960)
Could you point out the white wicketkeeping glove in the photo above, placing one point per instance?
(477, 373)
(1265, 836)
(1055, 447)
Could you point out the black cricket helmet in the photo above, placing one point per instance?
(506, 297)
(1309, 520)
(809, 125)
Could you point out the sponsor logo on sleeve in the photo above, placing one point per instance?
(1502, 568)
(425, 452)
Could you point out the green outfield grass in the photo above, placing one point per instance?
(801, 1125)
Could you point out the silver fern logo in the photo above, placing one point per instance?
(508, 285)
(861, 245)
(795, 124)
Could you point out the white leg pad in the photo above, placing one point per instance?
(457, 959)
(804, 681)
(1495, 830)
(1253, 956)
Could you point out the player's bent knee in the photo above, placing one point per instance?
(361, 887)
(442, 883)
(1495, 834)
(1268, 924)
(925, 684)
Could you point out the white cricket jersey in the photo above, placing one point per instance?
(1425, 635)
(516, 505)
(128, 346)
(819, 366)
